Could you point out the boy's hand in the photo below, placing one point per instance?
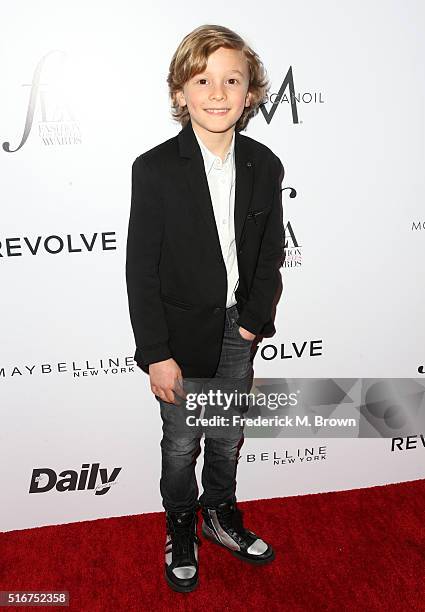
(166, 378)
(246, 334)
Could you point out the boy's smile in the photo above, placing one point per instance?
(216, 98)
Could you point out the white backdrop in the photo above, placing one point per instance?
(83, 93)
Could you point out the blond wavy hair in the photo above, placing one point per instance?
(191, 58)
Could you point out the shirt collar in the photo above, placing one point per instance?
(209, 157)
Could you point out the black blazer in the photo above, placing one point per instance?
(175, 273)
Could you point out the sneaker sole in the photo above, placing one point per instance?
(180, 588)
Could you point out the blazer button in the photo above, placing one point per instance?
(217, 310)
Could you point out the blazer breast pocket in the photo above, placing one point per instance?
(258, 215)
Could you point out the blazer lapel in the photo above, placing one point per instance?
(198, 183)
(244, 164)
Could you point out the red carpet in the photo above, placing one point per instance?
(352, 550)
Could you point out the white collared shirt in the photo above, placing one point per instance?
(221, 178)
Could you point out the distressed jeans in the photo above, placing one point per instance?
(180, 444)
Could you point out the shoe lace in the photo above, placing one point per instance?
(183, 536)
(230, 518)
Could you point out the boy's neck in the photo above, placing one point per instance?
(217, 142)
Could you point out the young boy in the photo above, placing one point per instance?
(204, 248)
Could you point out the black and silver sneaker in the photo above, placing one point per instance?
(223, 525)
(181, 550)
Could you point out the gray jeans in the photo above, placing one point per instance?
(180, 444)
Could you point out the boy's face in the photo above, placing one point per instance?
(223, 85)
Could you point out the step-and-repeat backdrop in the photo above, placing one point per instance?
(83, 93)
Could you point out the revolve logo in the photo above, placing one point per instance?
(408, 443)
(292, 350)
(55, 244)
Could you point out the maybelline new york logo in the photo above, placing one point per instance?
(49, 95)
(91, 477)
(285, 456)
(77, 369)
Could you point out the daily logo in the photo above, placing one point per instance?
(90, 477)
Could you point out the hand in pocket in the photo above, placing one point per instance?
(245, 334)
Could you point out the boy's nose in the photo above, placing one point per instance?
(217, 93)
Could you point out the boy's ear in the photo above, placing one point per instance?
(180, 98)
(248, 99)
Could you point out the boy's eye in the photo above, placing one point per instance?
(231, 79)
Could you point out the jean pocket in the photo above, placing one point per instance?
(238, 327)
